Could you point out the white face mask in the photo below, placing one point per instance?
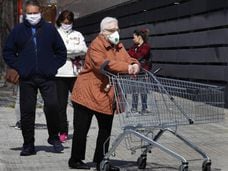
(114, 38)
(33, 19)
(66, 27)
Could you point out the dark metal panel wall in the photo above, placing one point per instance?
(189, 38)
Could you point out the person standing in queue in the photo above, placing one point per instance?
(67, 74)
(91, 95)
(141, 51)
(36, 51)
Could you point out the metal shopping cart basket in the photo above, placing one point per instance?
(169, 103)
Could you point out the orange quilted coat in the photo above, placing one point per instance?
(89, 88)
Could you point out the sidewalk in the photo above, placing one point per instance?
(212, 138)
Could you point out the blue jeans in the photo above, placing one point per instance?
(135, 101)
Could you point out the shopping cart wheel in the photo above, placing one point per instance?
(206, 166)
(183, 167)
(105, 166)
(141, 162)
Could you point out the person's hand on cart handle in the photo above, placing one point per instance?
(130, 69)
(133, 69)
(136, 68)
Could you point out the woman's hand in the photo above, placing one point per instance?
(130, 69)
(136, 68)
(133, 69)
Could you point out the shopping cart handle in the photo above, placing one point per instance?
(156, 71)
(103, 67)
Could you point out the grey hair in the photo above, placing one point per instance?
(33, 2)
(105, 23)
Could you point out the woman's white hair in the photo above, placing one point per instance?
(105, 23)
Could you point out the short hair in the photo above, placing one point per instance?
(106, 21)
(65, 15)
(33, 2)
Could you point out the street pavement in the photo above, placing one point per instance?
(212, 138)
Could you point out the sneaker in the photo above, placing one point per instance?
(18, 125)
(28, 150)
(57, 145)
(134, 110)
(63, 137)
(145, 111)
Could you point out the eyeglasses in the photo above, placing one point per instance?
(113, 30)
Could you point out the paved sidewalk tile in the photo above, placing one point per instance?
(211, 138)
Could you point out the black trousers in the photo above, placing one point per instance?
(82, 121)
(64, 86)
(28, 97)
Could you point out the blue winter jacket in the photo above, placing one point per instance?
(41, 58)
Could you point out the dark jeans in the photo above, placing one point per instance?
(143, 100)
(64, 86)
(28, 97)
(82, 121)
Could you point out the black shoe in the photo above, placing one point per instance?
(58, 147)
(74, 164)
(111, 168)
(28, 150)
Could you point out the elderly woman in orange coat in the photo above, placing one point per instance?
(90, 96)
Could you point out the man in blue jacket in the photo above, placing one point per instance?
(36, 51)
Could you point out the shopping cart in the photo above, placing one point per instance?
(170, 103)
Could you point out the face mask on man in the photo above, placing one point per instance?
(33, 19)
(114, 38)
(66, 27)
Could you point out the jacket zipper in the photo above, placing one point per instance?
(36, 58)
(35, 46)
